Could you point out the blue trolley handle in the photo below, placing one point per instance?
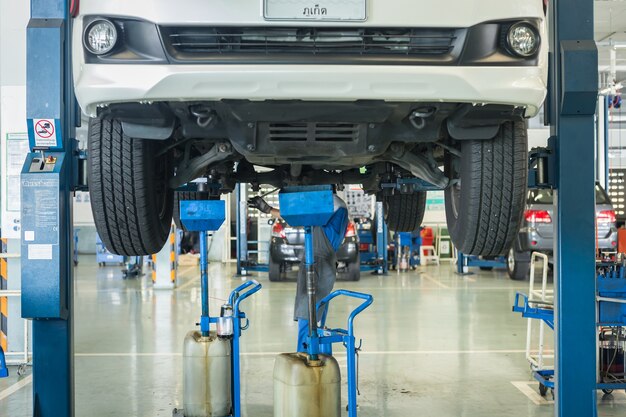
(236, 293)
(517, 308)
(537, 313)
(236, 297)
(326, 301)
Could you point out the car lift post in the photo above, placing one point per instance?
(47, 182)
(242, 229)
(570, 110)
(381, 240)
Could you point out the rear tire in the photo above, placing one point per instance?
(404, 212)
(275, 273)
(128, 182)
(354, 269)
(485, 208)
(518, 264)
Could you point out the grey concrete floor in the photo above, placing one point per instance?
(435, 344)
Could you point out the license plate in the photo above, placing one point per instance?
(324, 10)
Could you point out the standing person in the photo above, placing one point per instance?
(326, 241)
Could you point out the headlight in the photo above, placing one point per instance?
(523, 39)
(101, 37)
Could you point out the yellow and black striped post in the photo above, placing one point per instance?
(166, 259)
(4, 301)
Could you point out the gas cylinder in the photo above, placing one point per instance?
(305, 388)
(206, 375)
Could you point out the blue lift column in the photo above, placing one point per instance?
(571, 108)
(47, 182)
(381, 239)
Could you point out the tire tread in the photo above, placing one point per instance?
(493, 189)
(122, 191)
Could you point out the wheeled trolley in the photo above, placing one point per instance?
(211, 367)
(610, 323)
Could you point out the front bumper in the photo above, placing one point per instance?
(99, 84)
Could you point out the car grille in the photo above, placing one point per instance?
(214, 43)
(315, 132)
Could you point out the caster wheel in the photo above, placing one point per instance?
(543, 390)
(21, 370)
(607, 391)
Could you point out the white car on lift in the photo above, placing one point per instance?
(395, 95)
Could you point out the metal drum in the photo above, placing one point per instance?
(206, 376)
(306, 389)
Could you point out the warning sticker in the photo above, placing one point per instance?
(45, 133)
(40, 252)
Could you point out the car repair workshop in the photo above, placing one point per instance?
(312, 208)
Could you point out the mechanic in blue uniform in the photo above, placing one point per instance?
(326, 241)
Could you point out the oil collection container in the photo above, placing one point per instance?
(206, 376)
(306, 388)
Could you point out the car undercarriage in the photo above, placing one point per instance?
(311, 142)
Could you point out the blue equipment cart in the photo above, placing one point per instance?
(409, 244)
(544, 311)
(610, 326)
(309, 207)
(346, 337)
(204, 217)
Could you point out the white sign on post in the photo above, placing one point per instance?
(14, 148)
(45, 133)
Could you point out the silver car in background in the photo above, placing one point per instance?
(537, 231)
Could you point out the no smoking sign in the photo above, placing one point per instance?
(45, 133)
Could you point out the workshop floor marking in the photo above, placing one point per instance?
(338, 354)
(531, 390)
(16, 387)
(191, 281)
(433, 280)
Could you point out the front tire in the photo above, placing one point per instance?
(128, 183)
(404, 212)
(484, 208)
